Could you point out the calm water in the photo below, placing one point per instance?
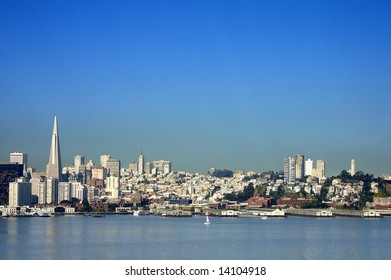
(152, 237)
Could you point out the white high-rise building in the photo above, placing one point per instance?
(99, 172)
(64, 191)
(320, 170)
(113, 167)
(162, 166)
(54, 167)
(42, 192)
(20, 158)
(299, 159)
(141, 163)
(104, 159)
(74, 190)
(289, 170)
(133, 167)
(112, 186)
(79, 161)
(19, 193)
(309, 166)
(51, 190)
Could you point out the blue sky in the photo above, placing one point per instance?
(225, 84)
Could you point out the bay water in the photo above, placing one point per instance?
(126, 237)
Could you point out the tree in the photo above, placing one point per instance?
(86, 206)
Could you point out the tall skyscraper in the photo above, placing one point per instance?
(309, 166)
(299, 166)
(141, 165)
(289, 170)
(54, 168)
(20, 158)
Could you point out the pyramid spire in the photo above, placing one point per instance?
(54, 168)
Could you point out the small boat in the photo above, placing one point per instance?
(164, 215)
(207, 222)
(97, 215)
(264, 218)
(140, 213)
(4, 214)
(44, 213)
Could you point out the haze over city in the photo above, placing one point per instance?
(224, 84)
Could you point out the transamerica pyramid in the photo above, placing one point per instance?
(54, 168)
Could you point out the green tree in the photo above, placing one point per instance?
(86, 207)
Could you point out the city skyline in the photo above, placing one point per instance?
(224, 84)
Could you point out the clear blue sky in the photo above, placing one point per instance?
(203, 83)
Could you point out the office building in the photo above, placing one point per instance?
(309, 166)
(113, 167)
(99, 172)
(104, 159)
(19, 158)
(51, 190)
(64, 191)
(9, 172)
(148, 168)
(78, 162)
(162, 166)
(320, 170)
(133, 168)
(299, 159)
(42, 193)
(289, 170)
(141, 164)
(112, 187)
(19, 193)
(54, 167)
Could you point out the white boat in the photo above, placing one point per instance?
(140, 212)
(207, 222)
(44, 213)
(4, 214)
(264, 218)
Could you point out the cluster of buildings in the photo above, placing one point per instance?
(155, 184)
(296, 168)
(21, 186)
